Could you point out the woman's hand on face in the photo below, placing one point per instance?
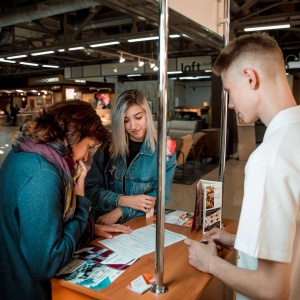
(106, 230)
(79, 182)
(111, 217)
(139, 202)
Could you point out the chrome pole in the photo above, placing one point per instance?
(224, 104)
(159, 287)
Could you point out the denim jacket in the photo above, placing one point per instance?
(104, 181)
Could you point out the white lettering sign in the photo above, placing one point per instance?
(51, 79)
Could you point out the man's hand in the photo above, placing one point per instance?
(201, 255)
(220, 237)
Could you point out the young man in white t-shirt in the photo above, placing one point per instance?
(253, 73)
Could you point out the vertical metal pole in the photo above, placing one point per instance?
(159, 286)
(224, 108)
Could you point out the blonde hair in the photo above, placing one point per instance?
(119, 136)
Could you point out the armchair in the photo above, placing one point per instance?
(183, 148)
(180, 128)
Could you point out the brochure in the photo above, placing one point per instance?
(95, 267)
(208, 205)
(211, 201)
(178, 217)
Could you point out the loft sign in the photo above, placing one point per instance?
(194, 64)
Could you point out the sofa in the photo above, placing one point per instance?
(179, 128)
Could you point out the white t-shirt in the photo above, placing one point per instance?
(269, 225)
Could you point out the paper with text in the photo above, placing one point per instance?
(140, 242)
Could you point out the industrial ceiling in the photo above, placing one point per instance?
(29, 27)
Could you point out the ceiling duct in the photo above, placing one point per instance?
(43, 10)
(109, 23)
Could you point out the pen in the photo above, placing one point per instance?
(218, 244)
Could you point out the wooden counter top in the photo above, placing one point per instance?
(183, 280)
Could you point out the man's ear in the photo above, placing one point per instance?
(252, 78)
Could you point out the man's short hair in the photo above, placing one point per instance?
(254, 45)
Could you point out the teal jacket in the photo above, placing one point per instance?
(104, 181)
(34, 241)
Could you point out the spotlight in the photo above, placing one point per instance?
(155, 68)
(115, 69)
(141, 63)
(135, 68)
(122, 59)
(152, 64)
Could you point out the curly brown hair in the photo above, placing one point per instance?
(71, 121)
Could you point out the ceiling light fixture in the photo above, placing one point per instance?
(152, 64)
(292, 64)
(122, 59)
(7, 61)
(17, 56)
(28, 63)
(133, 75)
(135, 68)
(115, 69)
(42, 53)
(140, 62)
(155, 68)
(267, 27)
(76, 48)
(150, 38)
(193, 78)
(174, 36)
(50, 66)
(174, 72)
(105, 44)
(140, 59)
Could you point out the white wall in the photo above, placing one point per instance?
(193, 93)
(203, 12)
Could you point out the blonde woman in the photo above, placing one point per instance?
(122, 181)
